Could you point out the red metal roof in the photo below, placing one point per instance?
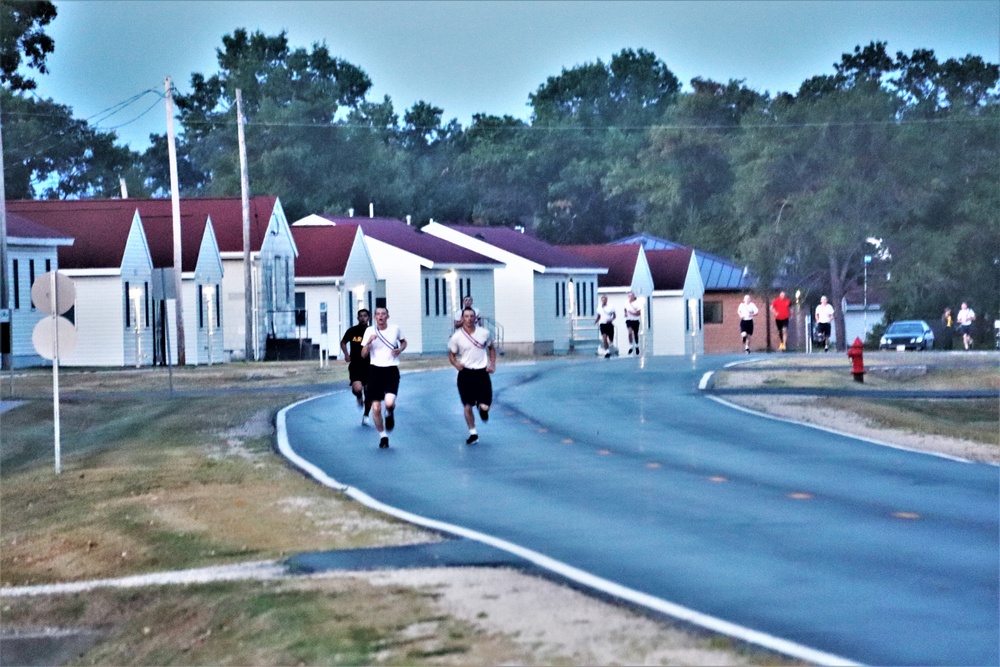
(669, 267)
(100, 232)
(620, 260)
(100, 227)
(323, 250)
(528, 247)
(405, 237)
(20, 227)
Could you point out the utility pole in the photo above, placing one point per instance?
(7, 360)
(245, 190)
(176, 211)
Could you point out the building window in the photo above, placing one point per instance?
(128, 307)
(201, 307)
(713, 312)
(218, 306)
(557, 299)
(427, 297)
(17, 285)
(31, 278)
(593, 308)
(145, 300)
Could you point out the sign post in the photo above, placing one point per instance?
(54, 293)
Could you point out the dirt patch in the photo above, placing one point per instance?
(556, 624)
(813, 411)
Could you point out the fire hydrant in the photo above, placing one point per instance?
(857, 355)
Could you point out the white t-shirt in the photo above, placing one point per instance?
(606, 313)
(472, 349)
(747, 311)
(824, 313)
(965, 316)
(383, 343)
(633, 311)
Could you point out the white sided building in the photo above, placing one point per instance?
(111, 269)
(31, 252)
(334, 278)
(422, 278)
(540, 290)
(628, 271)
(676, 306)
(272, 267)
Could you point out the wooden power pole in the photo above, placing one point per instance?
(247, 274)
(176, 211)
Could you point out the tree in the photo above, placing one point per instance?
(49, 154)
(23, 41)
(817, 177)
(584, 121)
(682, 177)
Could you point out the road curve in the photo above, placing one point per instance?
(622, 475)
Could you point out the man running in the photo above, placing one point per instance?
(747, 310)
(824, 319)
(966, 316)
(471, 351)
(357, 364)
(467, 303)
(633, 315)
(606, 319)
(382, 344)
(780, 309)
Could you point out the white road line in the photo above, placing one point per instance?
(582, 577)
(259, 570)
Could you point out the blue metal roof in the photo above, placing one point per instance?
(717, 273)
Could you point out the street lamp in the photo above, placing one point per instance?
(868, 260)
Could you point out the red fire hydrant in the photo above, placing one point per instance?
(857, 355)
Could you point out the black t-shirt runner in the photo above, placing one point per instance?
(353, 337)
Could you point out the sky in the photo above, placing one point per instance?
(487, 56)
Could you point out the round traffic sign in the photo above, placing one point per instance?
(44, 337)
(41, 293)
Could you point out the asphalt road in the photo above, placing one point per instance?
(621, 475)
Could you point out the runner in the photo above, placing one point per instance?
(382, 344)
(471, 351)
(747, 310)
(633, 315)
(779, 308)
(467, 303)
(966, 316)
(357, 364)
(824, 318)
(606, 319)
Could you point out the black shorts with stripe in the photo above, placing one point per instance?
(382, 380)
(475, 386)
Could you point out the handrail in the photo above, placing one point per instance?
(496, 331)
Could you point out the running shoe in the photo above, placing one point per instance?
(390, 421)
(607, 356)
(484, 415)
(383, 443)
(637, 351)
(364, 420)
(470, 440)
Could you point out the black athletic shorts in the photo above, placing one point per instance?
(357, 371)
(382, 380)
(475, 386)
(781, 324)
(608, 329)
(746, 326)
(823, 329)
(634, 326)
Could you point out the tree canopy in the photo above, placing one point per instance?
(902, 150)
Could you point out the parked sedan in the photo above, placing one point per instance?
(907, 335)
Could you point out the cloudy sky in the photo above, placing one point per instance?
(487, 56)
